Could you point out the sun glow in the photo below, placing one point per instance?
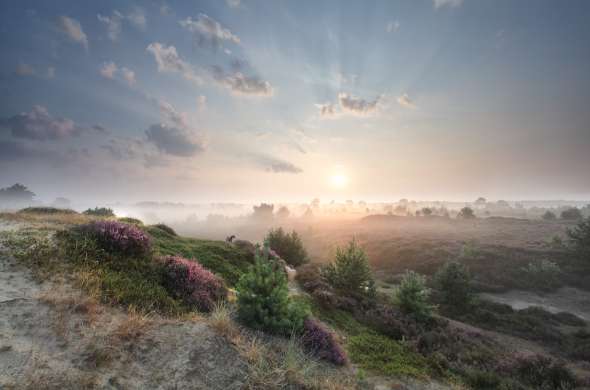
(339, 181)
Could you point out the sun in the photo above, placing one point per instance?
(339, 180)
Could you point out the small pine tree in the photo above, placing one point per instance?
(288, 246)
(350, 272)
(454, 282)
(579, 239)
(412, 296)
(263, 298)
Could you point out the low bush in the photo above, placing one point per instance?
(412, 296)
(542, 372)
(263, 299)
(100, 212)
(571, 214)
(196, 286)
(118, 238)
(288, 246)
(454, 283)
(542, 275)
(166, 229)
(131, 221)
(46, 210)
(321, 342)
(350, 273)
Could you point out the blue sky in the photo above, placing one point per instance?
(270, 100)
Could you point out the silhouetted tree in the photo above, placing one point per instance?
(426, 211)
(16, 193)
(549, 216)
(283, 212)
(481, 201)
(466, 213)
(264, 211)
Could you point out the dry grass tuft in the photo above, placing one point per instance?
(135, 325)
(221, 320)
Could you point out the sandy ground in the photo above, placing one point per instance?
(567, 299)
(53, 338)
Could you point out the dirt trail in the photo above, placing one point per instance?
(52, 337)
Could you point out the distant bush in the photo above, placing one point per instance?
(454, 283)
(166, 228)
(412, 296)
(579, 238)
(321, 342)
(466, 213)
(118, 238)
(132, 221)
(46, 210)
(549, 216)
(192, 283)
(100, 212)
(571, 214)
(350, 273)
(542, 274)
(288, 246)
(263, 299)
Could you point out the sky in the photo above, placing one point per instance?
(248, 100)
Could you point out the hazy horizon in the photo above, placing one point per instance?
(282, 102)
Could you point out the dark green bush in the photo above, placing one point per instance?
(100, 212)
(542, 275)
(46, 210)
(166, 229)
(132, 221)
(288, 246)
(350, 273)
(571, 214)
(412, 296)
(263, 299)
(579, 239)
(454, 283)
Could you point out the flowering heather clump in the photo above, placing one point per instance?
(322, 342)
(118, 237)
(191, 282)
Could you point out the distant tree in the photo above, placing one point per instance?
(426, 211)
(288, 246)
(579, 238)
(16, 193)
(350, 272)
(264, 211)
(466, 213)
(283, 212)
(481, 201)
(400, 210)
(549, 216)
(100, 212)
(308, 213)
(571, 214)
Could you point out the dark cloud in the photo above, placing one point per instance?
(357, 106)
(240, 84)
(208, 32)
(173, 141)
(38, 124)
(276, 165)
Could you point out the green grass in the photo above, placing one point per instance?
(220, 257)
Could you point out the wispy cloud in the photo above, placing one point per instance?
(233, 3)
(137, 18)
(168, 60)
(27, 70)
(38, 124)
(208, 31)
(275, 165)
(405, 101)
(113, 24)
(392, 26)
(447, 3)
(240, 84)
(73, 30)
(173, 141)
(110, 70)
(356, 106)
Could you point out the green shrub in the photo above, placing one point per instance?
(579, 239)
(412, 296)
(100, 212)
(166, 229)
(46, 210)
(132, 221)
(263, 299)
(542, 275)
(350, 273)
(454, 283)
(571, 214)
(288, 246)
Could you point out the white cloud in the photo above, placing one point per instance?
(208, 31)
(137, 18)
(392, 26)
(113, 24)
(73, 30)
(128, 76)
(240, 84)
(172, 116)
(108, 70)
(405, 101)
(168, 60)
(447, 3)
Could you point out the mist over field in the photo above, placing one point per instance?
(280, 194)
